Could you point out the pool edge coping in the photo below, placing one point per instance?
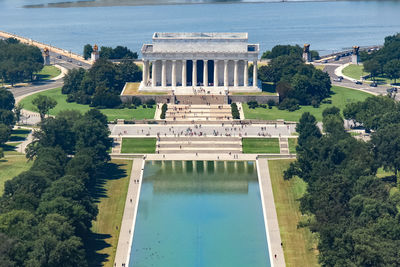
(272, 219)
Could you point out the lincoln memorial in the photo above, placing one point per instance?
(214, 62)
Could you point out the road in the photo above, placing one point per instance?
(330, 69)
(19, 91)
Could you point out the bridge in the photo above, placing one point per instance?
(41, 45)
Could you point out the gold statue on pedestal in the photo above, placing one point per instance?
(46, 51)
(355, 49)
(95, 48)
(306, 48)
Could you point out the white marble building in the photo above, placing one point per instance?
(184, 62)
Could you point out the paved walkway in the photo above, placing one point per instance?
(284, 145)
(270, 217)
(129, 217)
(193, 130)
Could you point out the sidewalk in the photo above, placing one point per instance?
(129, 218)
(276, 255)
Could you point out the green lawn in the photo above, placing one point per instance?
(381, 173)
(356, 71)
(19, 135)
(340, 97)
(111, 194)
(139, 145)
(299, 244)
(140, 113)
(48, 72)
(260, 145)
(292, 145)
(11, 165)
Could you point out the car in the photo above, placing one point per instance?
(340, 77)
(59, 57)
(358, 82)
(79, 64)
(337, 58)
(69, 60)
(337, 80)
(373, 85)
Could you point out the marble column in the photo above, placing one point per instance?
(148, 71)
(173, 73)
(215, 73)
(184, 70)
(145, 71)
(226, 81)
(205, 72)
(255, 73)
(236, 74)
(154, 74)
(164, 74)
(246, 74)
(194, 73)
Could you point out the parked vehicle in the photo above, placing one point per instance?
(358, 82)
(373, 84)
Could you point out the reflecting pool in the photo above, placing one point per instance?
(199, 213)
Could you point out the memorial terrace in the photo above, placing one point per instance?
(214, 62)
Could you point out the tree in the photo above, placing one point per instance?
(7, 117)
(56, 244)
(87, 51)
(17, 111)
(392, 69)
(7, 100)
(5, 133)
(386, 143)
(44, 104)
(372, 66)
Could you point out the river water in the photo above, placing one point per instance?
(327, 26)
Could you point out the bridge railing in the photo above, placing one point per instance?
(41, 45)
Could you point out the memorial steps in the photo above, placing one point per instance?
(198, 113)
(184, 144)
(201, 99)
(188, 142)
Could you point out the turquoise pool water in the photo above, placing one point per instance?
(200, 213)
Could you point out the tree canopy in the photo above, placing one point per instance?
(18, 62)
(46, 213)
(102, 84)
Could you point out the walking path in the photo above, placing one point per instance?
(270, 217)
(129, 218)
(284, 145)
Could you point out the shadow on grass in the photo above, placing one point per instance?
(110, 171)
(96, 243)
(7, 147)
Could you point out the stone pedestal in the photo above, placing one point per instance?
(355, 57)
(94, 56)
(307, 53)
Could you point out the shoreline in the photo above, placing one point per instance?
(137, 3)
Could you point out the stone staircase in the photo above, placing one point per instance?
(284, 145)
(198, 113)
(203, 99)
(180, 145)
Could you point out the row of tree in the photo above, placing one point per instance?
(19, 62)
(101, 85)
(354, 212)
(46, 212)
(119, 52)
(385, 61)
(296, 82)
(7, 116)
(280, 50)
